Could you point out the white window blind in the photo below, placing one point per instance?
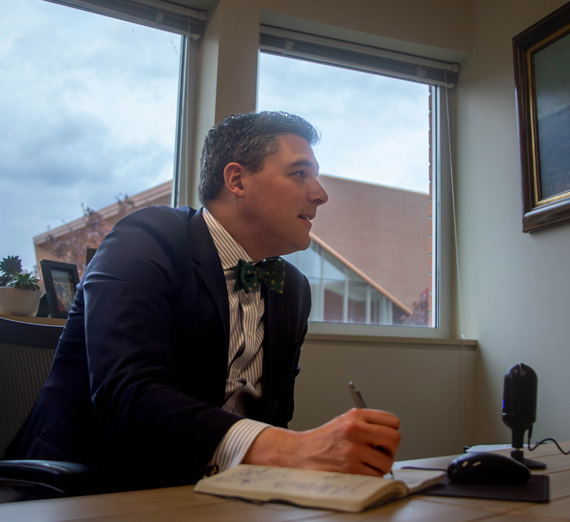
(370, 59)
(159, 14)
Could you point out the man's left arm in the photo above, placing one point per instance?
(347, 443)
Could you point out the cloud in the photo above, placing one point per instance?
(66, 147)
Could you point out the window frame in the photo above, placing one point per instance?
(442, 217)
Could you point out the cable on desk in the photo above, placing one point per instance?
(544, 441)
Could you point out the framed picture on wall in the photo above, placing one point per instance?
(60, 280)
(542, 81)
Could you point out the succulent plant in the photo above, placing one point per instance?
(13, 276)
(25, 281)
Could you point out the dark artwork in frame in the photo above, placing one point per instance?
(552, 81)
(542, 80)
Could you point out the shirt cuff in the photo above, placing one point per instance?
(236, 442)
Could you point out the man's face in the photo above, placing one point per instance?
(282, 198)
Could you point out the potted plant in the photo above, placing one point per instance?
(19, 290)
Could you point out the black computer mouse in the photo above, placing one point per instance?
(487, 468)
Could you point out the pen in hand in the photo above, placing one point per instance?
(356, 395)
(359, 403)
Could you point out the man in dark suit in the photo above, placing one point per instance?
(171, 363)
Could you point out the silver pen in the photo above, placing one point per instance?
(356, 395)
(359, 403)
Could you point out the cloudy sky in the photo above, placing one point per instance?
(373, 128)
(88, 115)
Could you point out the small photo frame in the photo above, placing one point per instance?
(542, 81)
(60, 280)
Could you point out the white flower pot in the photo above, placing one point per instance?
(16, 301)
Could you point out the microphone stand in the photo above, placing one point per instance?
(518, 454)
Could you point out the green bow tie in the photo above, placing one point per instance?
(270, 272)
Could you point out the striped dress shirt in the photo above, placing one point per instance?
(245, 357)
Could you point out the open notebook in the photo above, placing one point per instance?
(318, 489)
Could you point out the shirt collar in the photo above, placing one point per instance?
(229, 250)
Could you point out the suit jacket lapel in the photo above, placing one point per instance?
(208, 267)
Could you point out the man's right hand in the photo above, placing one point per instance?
(361, 441)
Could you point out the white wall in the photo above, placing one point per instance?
(515, 286)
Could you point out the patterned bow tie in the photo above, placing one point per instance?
(270, 272)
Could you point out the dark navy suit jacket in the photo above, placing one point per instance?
(139, 375)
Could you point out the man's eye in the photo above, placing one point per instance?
(300, 173)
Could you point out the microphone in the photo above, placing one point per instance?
(519, 401)
(519, 408)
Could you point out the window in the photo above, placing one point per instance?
(375, 254)
(90, 109)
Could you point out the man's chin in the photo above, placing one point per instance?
(298, 247)
(302, 246)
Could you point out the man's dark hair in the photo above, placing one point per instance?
(246, 139)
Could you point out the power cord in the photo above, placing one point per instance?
(544, 441)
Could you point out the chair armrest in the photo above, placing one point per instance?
(66, 478)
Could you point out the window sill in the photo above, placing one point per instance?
(428, 342)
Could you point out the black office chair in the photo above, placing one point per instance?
(26, 354)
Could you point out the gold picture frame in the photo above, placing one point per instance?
(542, 81)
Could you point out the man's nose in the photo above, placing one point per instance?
(318, 195)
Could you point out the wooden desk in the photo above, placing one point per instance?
(51, 321)
(182, 504)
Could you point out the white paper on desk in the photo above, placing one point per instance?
(488, 447)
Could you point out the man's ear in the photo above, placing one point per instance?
(233, 173)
